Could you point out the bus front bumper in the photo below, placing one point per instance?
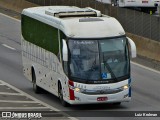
(81, 98)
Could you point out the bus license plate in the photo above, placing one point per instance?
(102, 99)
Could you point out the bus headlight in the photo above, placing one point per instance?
(77, 89)
(125, 87)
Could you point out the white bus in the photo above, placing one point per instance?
(77, 54)
(143, 5)
(139, 3)
(105, 1)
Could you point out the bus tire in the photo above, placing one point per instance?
(60, 95)
(36, 88)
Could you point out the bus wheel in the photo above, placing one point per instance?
(60, 94)
(36, 88)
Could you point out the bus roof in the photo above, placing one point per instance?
(77, 22)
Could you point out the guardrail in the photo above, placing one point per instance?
(135, 22)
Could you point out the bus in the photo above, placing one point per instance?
(77, 54)
(142, 5)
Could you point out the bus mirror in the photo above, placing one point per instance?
(65, 51)
(132, 48)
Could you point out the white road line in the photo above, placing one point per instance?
(29, 96)
(10, 17)
(7, 46)
(1, 84)
(142, 66)
(23, 108)
(9, 93)
(12, 101)
(38, 101)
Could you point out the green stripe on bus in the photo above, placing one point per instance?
(40, 34)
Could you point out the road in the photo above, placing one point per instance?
(145, 82)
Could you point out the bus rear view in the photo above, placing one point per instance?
(92, 64)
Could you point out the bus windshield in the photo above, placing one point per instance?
(99, 60)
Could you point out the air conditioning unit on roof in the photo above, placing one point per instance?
(89, 12)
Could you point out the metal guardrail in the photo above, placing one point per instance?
(135, 22)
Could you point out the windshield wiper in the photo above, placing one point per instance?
(92, 68)
(109, 69)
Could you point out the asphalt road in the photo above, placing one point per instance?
(145, 82)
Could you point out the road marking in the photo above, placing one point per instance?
(15, 108)
(142, 66)
(7, 46)
(9, 93)
(1, 84)
(29, 96)
(46, 106)
(10, 17)
(12, 101)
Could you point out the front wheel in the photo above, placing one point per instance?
(60, 94)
